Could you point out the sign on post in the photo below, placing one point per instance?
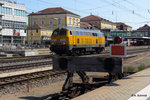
(118, 50)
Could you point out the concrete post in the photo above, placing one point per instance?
(12, 40)
(128, 42)
(23, 40)
(1, 41)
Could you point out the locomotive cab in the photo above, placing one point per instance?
(59, 41)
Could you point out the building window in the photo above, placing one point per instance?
(18, 12)
(51, 22)
(77, 22)
(36, 30)
(3, 10)
(42, 22)
(69, 21)
(10, 11)
(59, 22)
(73, 21)
(0, 9)
(34, 22)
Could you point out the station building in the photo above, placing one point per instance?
(12, 23)
(123, 26)
(42, 23)
(100, 23)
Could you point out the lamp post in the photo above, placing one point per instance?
(31, 38)
(31, 34)
(148, 37)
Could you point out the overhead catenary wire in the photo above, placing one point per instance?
(123, 8)
(88, 12)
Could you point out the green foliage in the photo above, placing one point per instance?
(129, 69)
(16, 55)
(141, 67)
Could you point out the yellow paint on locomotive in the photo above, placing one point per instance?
(77, 40)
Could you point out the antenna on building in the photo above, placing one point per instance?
(112, 12)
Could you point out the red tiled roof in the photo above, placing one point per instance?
(120, 23)
(94, 18)
(37, 27)
(86, 25)
(91, 18)
(57, 10)
(144, 28)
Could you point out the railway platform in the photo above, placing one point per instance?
(133, 87)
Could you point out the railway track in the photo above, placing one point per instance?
(25, 78)
(25, 65)
(23, 59)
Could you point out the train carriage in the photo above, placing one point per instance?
(69, 40)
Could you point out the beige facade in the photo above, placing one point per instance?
(123, 26)
(38, 36)
(108, 25)
(99, 22)
(47, 20)
(54, 21)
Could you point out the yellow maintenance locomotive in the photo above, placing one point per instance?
(69, 40)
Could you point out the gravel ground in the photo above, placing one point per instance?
(24, 62)
(33, 84)
(20, 69)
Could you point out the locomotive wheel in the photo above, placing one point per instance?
(98, 51)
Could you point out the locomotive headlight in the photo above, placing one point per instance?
(52, 42)
(63, 43)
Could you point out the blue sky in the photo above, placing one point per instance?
(135, 13)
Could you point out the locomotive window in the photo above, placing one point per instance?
(77, 32)
(90, 34)
(100, 35)
(81, 33)
(74, 32)
(94, 34)
(70, 32)
(55, 32)
(59, 32)
(63, 32)
(86, 34)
